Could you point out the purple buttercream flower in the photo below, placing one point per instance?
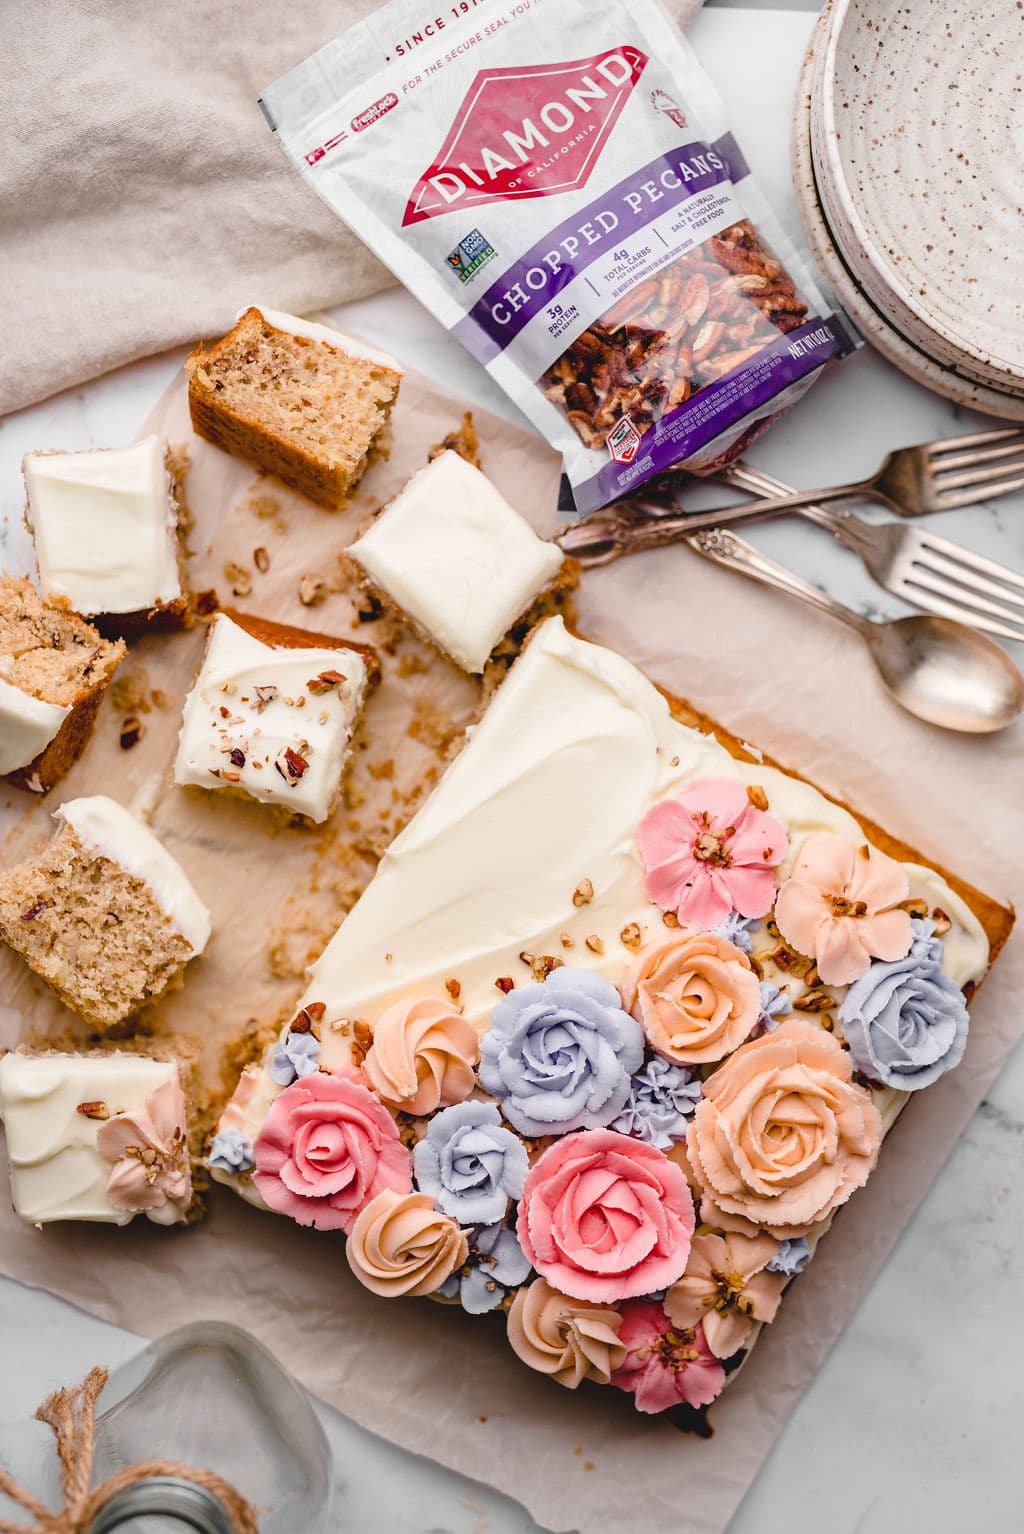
(792, 1257)
(738, 930)
(496, 1263)
(906, 1022)
(297, 1055)
(661, 1098)
(470, 1164)
(925, 944)
(559, 1055)
(231, 1152)
(775, 1004)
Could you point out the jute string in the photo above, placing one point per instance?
(71, 1415)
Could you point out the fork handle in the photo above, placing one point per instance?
(733, 553)
(844, 526)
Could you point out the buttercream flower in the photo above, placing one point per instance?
(495, 1264)
(840, 905)
(326, 1148)
(559, 1055)
(297, 1055)
(739, 930)
(400, 1244)
(563, 1338)
(775, 1004)
(150, 1154)
(695, 994)
(230, 1151)
(422, 1056)
(470, 1164)
(784, 1134)
(791, 1258)
(906, 1022)
(711, 852)
(604, 1218)
(661, 1098)
(726, 1289)
(665, 1366)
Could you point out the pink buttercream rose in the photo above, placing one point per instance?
(726, 1289)
(149, 1151)
(711, 852)
(605, 1217)
(695, 995)
(840, 906)
(665, 1365)
(326, 1149)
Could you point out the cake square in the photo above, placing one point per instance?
(271, 713)
(452, 555)
(99, 1137)
(103, 913)
(106, 525)
(302, 400)
(54, 670)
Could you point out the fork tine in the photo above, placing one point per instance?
(973, 439)
(979, 475)
(944, 463)
(986, 492)
(970, 606)
(935, 604)
(986, 573)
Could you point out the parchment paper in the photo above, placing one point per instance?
(430, 1378)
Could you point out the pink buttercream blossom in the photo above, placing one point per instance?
(665, 1365)
(326, 1149)
(839, 905)
(726, 1289)
(711, 852)
(149, 1152)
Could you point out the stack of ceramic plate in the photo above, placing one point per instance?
(909, 170)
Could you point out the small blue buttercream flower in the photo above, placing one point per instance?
(559, 1055)
(925, 944)
(296, 1056)
(661, 1097)
(738, 930)
(775, 1004)
(906, 1022)
(470, 1164)
(793, 1255)
(231, 1152)
(496, 1264)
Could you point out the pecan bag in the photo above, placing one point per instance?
(555, 179)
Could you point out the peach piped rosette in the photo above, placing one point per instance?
(783, 1135)
(726, 1289)
(569, 1340)
(422, 1056)
(694, 994)
(400, 1244)
(840, 905)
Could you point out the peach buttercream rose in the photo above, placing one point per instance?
(695, 995)
(563, 1338)
(422, 1056)
(784, 1135)
(400, 1244)
(841, 904)
(605, 1217)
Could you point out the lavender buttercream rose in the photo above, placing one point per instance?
(906, 1022)
(496, 1263)
(559, 1055)
(470, 1164)
(661, 1098)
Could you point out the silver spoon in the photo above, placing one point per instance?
(940, 671)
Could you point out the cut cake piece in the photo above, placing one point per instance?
(103, 913)
(272, 712)
(108, 526)
(302, 400)
(96, 1136)
(456, 559)
(54, 670)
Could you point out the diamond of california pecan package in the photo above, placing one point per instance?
(556, 181)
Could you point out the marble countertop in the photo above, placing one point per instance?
(913, 1420)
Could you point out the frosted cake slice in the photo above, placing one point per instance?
(615, 1030)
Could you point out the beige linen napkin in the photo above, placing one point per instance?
(143, 199)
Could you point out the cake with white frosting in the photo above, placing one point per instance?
(99, 1137)
(54, 670)
(456, 559)
(108, 526)
(615, 1030)
(301, 400)
(103, 913)
(272, 712)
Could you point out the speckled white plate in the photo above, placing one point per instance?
(917, 135)
(873, 324)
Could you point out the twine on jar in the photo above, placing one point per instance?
(71, 1415)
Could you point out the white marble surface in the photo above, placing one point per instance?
(913, 1421)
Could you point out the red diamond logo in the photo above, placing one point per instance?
(623, 441)
(532, 131)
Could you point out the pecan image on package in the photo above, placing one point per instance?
(697, 319)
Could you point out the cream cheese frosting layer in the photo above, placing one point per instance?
(105, 529)
(339, 339)
(57, 1172)
(273, 721)
(27, 726)
(452, 553)
(108, 829)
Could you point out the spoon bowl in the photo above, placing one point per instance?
(946, 673)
